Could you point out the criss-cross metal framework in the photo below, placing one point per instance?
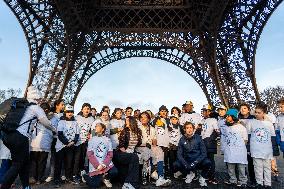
(214, 41)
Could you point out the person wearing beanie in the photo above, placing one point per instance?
(68, 133)
(84, 120)
(161, 124)
(235, 152)
(18, 142)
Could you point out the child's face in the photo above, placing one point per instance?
(104, 116)
(69, 115)
(259, 114)
(163, 113)
(99, 129)
(128, 112)
(221, 112)
(229, 119)
(189, 129)
(244, 110)
(118, 114)
(144, 119)
(94, 112)
(127, 124)
(174, 120)
(60, 106)
(175, 111)
(281, 108)
(205, 113)
(86, 111)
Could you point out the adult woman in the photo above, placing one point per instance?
(124, 156)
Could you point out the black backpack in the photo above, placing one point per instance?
(15, 114)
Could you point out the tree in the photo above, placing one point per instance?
(8, 93)
(270, 96)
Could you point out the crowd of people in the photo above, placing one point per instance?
(136, 148)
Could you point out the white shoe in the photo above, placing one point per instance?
(82, 174)
(49, 179)
(63, 177)
(189, 177)
(163, 182)
(177, 174)
(202, 181)
(154, 175)
(127, 186)
(107, 183)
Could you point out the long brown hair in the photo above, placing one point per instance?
(133, 125)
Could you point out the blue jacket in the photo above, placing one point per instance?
(191, 149)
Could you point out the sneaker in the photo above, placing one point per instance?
(32, 180)
(177, 174)
(213, 181)
(107, 183)
(82, 176)
(76, 180)
(127, 186)
(163, 182)
(63, 177)
(202, 181)
(154, 175)
(48, 179)
(189, 177)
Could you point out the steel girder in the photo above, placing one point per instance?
(213, 41)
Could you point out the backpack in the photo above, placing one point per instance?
(15, 114)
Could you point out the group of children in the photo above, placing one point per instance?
(94, 148)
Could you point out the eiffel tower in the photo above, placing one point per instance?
(214, 41)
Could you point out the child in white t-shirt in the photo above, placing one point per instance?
(100, 153)
(116, 126)
(234, 145)
(68, 136)
(262, 133)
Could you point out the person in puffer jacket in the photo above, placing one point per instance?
(192, 156)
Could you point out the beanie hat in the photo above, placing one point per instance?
(233, 112)
(33, 94)
(163, 107)
(69, 108)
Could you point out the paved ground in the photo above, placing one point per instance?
(177, 184)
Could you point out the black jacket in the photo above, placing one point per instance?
(124, 138)
(191, 149)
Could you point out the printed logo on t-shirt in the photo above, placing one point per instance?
(231, 139)
(205, 126)
(261, 135)
(160, 131)
(100, 150)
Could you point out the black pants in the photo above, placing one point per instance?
(172, 158)
(18, 145)
(38, 162)
(251, 169)
(205, 167)
(130, 160)
(210, 156)
(95, 181)
(67, 155)
(79, 158)
(166, 160)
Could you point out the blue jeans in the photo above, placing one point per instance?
(95, 181)
(5, 165)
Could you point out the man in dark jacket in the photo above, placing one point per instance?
(192, 156)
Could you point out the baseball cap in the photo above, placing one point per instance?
(222, 107)
(206, 107)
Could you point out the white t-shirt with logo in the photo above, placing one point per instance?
(208, 126)
(115, 123)
(234, 144)
(174, 135)
(69, 129)
(41, 139)
(279, 125)
(194, 118)
(162, 134)
(100, 146)
(148, 138)
(33, 111)
(85, 124)
(260, 140)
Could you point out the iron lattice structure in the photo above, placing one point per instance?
(214, 41)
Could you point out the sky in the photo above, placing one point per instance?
(142, 83)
